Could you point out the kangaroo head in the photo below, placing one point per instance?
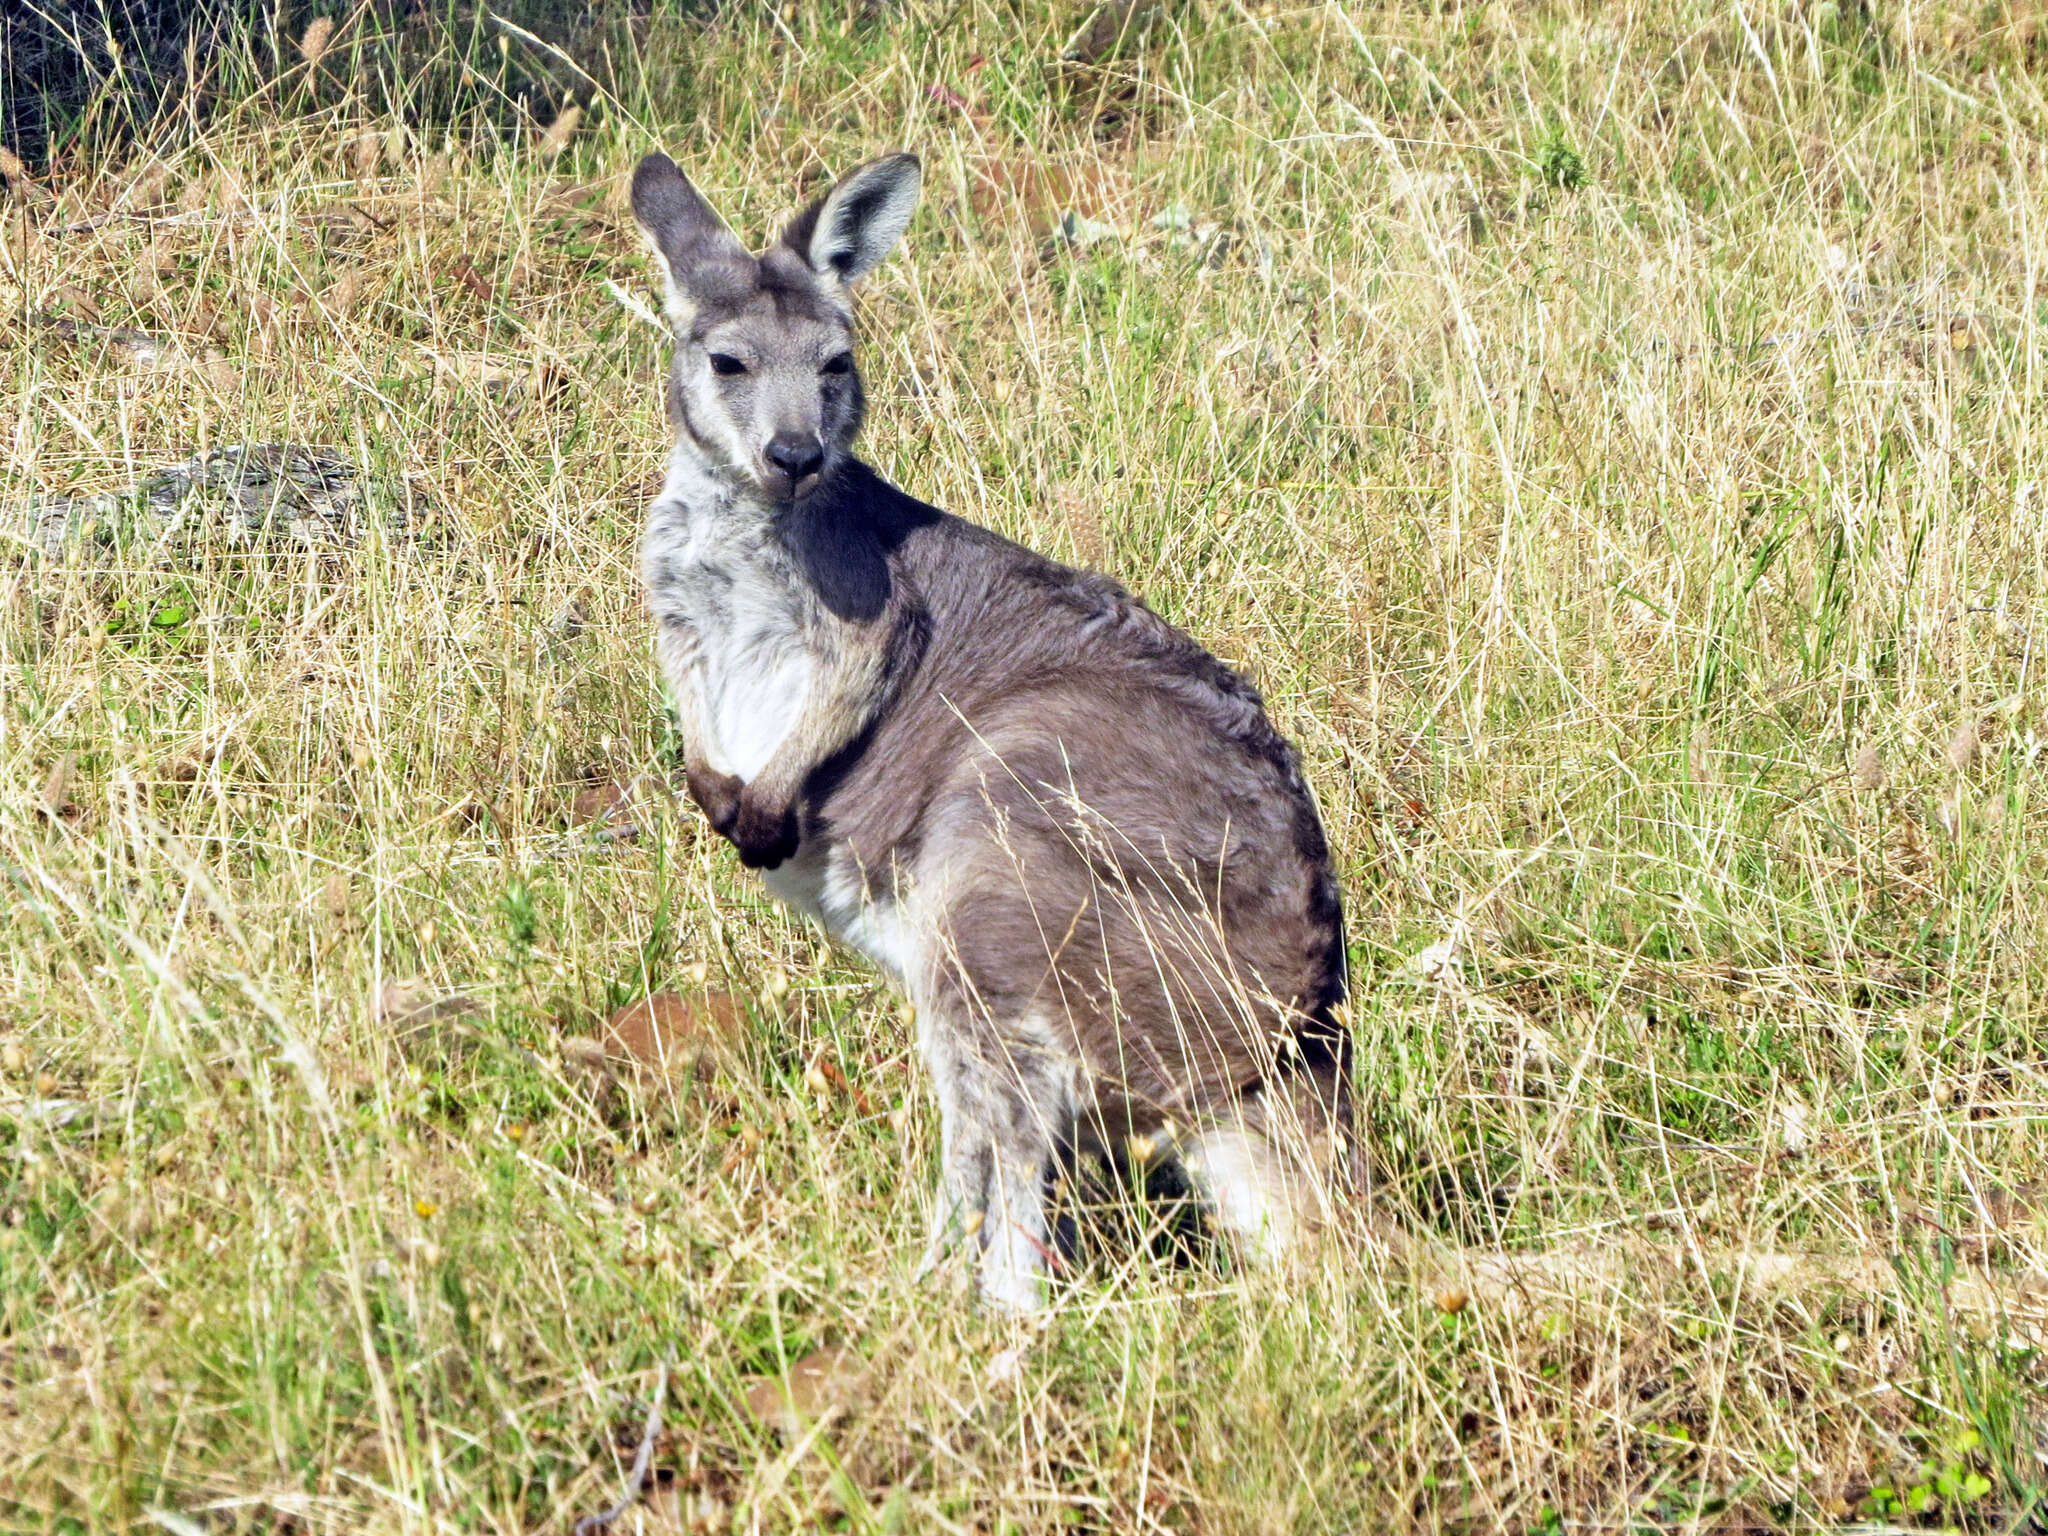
(763, 380)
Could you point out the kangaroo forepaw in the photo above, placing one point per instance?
(717, 795)
(765, 835)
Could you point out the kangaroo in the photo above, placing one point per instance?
(1067, 832)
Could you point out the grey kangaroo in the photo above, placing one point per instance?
(1067, 832)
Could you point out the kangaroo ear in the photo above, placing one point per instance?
(699, 255)
(847, 232)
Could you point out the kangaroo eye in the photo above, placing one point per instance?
(843, 363)
(725, 363)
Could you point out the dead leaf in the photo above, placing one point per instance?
(408, 1004)
(76, 301)
(432, 1029)
(501, 377)
(1699, 754)
(147, 189)
(1962, 747)
(1948, 812)
(1794, 1125)
(2016, 1208)
(366, 151)
(824, 1078)
(219, 372)
(669, 1038)
(1438, 964)
(340, 295)
(56, 796)
(560, 131)
(1082, 513)
(825, 1385)
(1006, 1367)
(570, 620)
(465, 272)
(1044, 194)
(600, 803)
(585, 1055)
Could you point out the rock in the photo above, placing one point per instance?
(254, 495)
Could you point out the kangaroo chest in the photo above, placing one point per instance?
(733, 643)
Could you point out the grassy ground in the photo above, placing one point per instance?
(1616, 437)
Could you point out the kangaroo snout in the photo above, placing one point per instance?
(794, 459)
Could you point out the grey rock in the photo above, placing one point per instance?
(251, 496)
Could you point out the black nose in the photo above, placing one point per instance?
(796, 456)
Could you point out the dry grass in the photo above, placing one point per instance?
(1614, 436)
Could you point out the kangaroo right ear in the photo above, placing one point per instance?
(698, 253)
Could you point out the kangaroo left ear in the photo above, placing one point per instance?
(847, 232)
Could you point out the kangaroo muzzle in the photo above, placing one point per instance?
(791, 465)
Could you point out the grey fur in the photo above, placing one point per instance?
(1070, 833)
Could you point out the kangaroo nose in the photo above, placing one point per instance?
(796, 456)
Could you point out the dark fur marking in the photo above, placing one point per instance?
(843, 535)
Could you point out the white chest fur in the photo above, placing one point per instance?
(754, 677)
(731, 640)
(733, 651)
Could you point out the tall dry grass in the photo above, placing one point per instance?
(1613, 437)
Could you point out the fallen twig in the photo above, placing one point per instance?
(636, 1479)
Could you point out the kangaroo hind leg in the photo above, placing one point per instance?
(1269, 1168)
(1006, 1109)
